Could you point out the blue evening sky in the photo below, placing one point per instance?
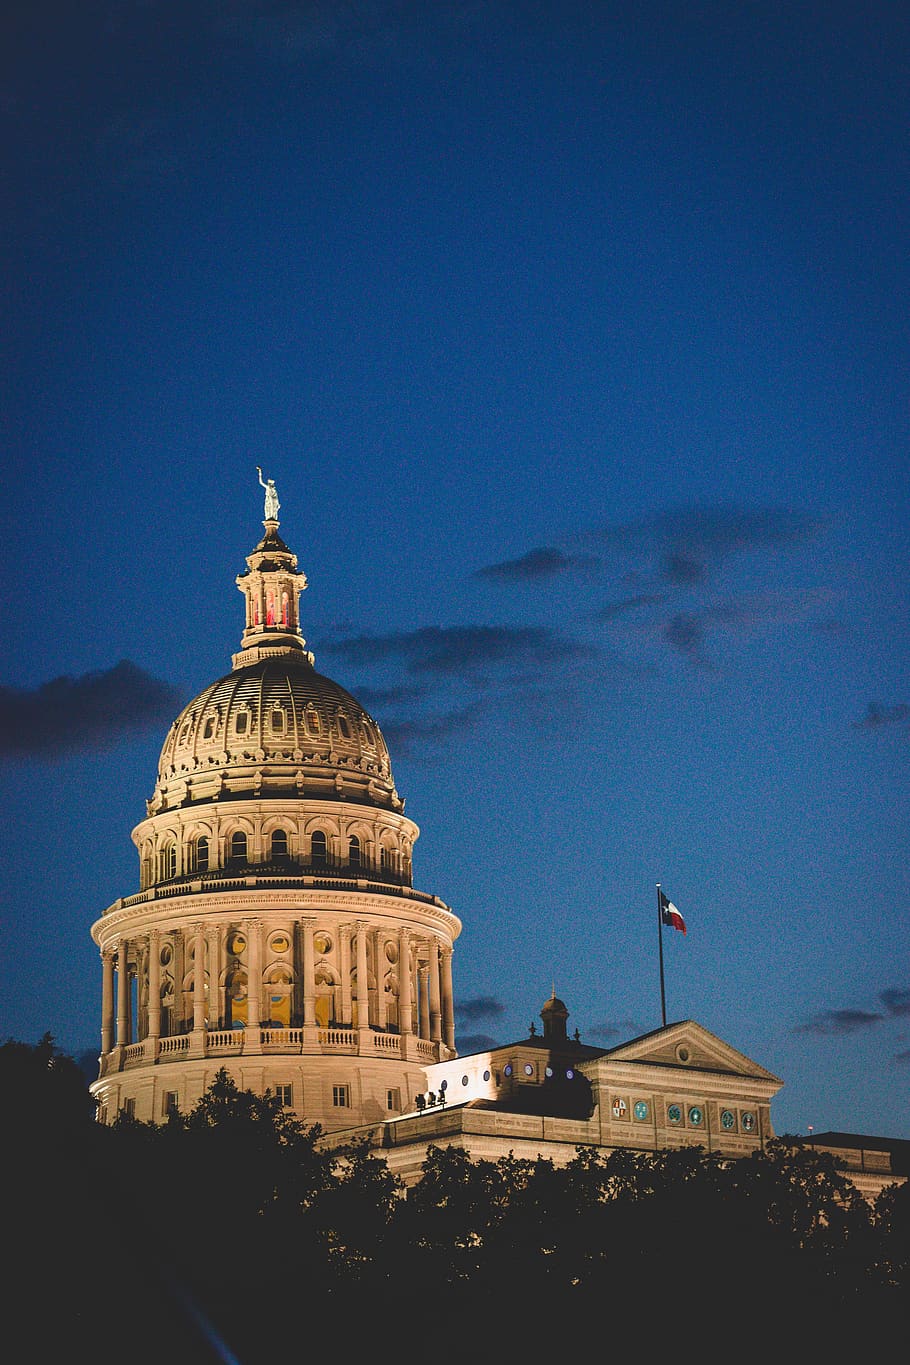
(574, 336)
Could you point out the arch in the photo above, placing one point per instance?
(344, 728)
(319, 849)
(236, 996)
(355, 852)
(278, 995)
(238, 848)
(278, 844)
(200, 853)
(167, 860)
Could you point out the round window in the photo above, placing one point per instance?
(695, 1116)
(279, 943)
(486, 1075)
(236, 944)
(748, 1121)
(641, 1109)
(507, 1070)
(570, 1075)
(549, 1073)
(727, 1119)
(464, 1080)
(322, 943)
(529, 1070)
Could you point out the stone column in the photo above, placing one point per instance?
(252, 1041)
(435, 1010)
(308, 931)
(423, 1001)
(380, 965)
(123, 996)
(344, 938)
(154, 1032)
(405, 1020)
(448, 1000)
(107, 1001)
(363, 978)
(214, 960)
(198, 979)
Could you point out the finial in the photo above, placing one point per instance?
(271, 497)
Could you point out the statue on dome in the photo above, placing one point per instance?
(271, 497)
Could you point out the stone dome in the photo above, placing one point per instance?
(274, 725)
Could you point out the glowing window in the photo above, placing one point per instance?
(312, 721)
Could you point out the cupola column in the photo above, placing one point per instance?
(254, 984)
(107, 1001)
(435, 1011)
(405, 1023)
(363, 978)
(123, 996)
(199, 979)
(154, 1005)
(344, 935)
(214, 961)
(307, 931)
(448, 1000)
(380, 962)
(423, 999)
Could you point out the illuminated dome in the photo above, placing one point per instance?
(274, 726)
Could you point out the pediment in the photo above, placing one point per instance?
(689, 1045)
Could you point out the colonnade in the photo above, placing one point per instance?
(413, 996)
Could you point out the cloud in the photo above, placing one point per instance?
(896, 1001)
(605, 1032)
(688, 543)
(830, 1022)
(876, 716)
(903, 1058)
(685, 633)
(476, 1042)
(479, 1007)
(544, 562)
(85, 714)
(611, 610)
(406, 736)
(455, 649)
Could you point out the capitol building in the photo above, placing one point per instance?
(277, 934)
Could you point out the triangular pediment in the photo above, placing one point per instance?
(687, 1044)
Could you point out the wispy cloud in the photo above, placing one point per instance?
(546, 561)
(457, 649)
(79, 715)
(896, 1000)
(830, 1022)
(479, 1007)
(476, 1042)
(876, 716)
(611, 611)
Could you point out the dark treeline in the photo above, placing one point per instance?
(229, 1234)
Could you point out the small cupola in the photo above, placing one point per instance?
(271, 584)
(554, 1015)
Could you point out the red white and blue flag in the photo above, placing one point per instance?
(669, 914)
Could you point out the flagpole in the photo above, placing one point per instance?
(660, 943)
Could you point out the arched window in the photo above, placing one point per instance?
(278, 721)
(209, 728)
(354, 851)
(240, 724)
(167, 862)
(344, 728)
(384, 860)
(280, 843)
(200, 854)
(312, 720)
(368, 733)
(319, 852)
(238, 846)
(285, 609)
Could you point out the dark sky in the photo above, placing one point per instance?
(574, 336)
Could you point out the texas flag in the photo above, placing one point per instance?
(669, 913)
